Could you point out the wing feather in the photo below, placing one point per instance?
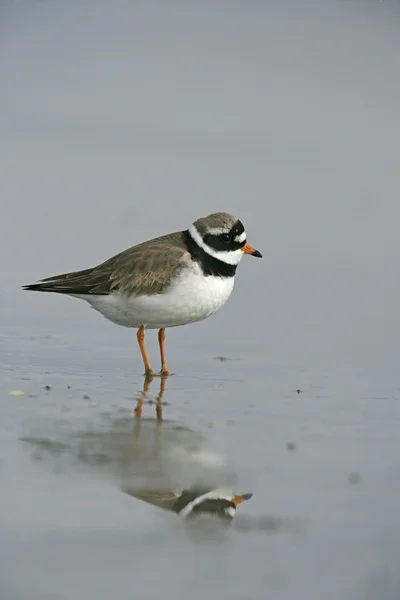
(144, 269)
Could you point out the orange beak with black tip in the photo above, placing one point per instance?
(239, 499)
(247, 249)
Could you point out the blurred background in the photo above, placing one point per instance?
(124, 120)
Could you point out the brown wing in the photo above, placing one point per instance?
(165, 500)
(141, 270)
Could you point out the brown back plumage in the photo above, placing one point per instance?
(144, 269)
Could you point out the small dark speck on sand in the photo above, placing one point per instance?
(86, 397)
(47, 387)
(68, 387)
(298, 391)
(290, 446)
(354, 478)
(221, 358)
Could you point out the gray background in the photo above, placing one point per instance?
(125, 120)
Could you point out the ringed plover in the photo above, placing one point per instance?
(172, 280)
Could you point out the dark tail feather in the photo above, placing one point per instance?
(78, 282)
(46, 287)
(57, 288)
(67, 283)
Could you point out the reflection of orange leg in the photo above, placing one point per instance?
(161, 338)
(140, 338)
(159, 399)
(138, 408)
(142, 397)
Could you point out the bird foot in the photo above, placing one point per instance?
(150, 374)
(164, 373)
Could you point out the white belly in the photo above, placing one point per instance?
(192, 297)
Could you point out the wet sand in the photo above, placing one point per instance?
(325, 458)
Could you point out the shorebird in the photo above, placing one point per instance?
(172, 280)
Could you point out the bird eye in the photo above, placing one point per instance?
(225, 237)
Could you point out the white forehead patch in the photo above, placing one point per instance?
(240, 238)
(218, 230)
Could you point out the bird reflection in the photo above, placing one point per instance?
(186, 448)
(153, 459)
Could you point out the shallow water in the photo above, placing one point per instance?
(325, 458)
(290, 392)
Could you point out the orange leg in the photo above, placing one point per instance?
(140, 338)
(161, 338)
